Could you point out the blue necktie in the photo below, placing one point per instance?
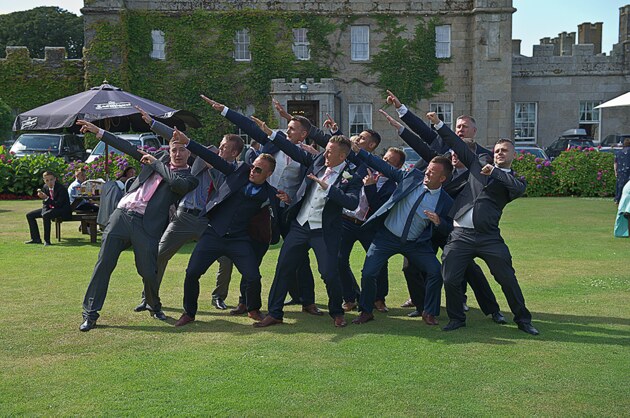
(405, 233)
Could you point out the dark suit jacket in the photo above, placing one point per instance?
(407, 182)
(429, 136)
(488, 195)
(174, 184)
(60, 200)
(343, 193)
(220, 209)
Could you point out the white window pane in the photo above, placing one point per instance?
(241, 45)
(360, 43)
(443, 41)
(444, 112)
(525, 122)
(158, 52)
(301, 47)
(360, 115)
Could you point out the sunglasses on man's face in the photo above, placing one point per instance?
(256, 170)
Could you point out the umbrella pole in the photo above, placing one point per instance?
(106, 152)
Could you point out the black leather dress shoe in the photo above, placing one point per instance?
(499, 318)
(33, 241)
(528, 328)
(219, 304)
(159, 315)
(47, 243)
(453, 325)
(414, 314)
(141, 307)
(87, 325)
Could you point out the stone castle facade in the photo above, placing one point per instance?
(531, 99)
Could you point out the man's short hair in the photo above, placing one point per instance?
(398, 151)
(470, 118)
(376, 137)
(504, 141)
(79, 170)
(269, 158)
(626, 142)
(236, 140)
(304, 122)
(446, 164)
(48, 173)
(342, 141)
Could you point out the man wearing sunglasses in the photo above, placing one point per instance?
(243, 195)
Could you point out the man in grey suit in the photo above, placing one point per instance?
(139, 220)
(476, 214)
(187, 223)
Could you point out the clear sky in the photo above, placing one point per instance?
(534, 19)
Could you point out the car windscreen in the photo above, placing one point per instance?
(538, 153)
(36, 143)
(100, 147)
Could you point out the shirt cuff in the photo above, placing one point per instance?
(152, 122)
(273, 135)
(100, 133)
(438, 125)
(400, 130)
(402, 110)
(225, 110)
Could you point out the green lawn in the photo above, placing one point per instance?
(574, 275)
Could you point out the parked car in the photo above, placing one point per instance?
(535, 150)
(571, 138)
(145, 140)
(411, 159)
(613, 142)
(67, 146)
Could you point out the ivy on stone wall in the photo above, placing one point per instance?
(407, 65)
(199, 59)
(26, 83)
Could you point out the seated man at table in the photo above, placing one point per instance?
(55, 205)
(74, 191)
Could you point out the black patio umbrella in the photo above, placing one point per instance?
(106, 106)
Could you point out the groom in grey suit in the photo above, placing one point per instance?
(139, 220)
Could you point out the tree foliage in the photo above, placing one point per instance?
(41, 27)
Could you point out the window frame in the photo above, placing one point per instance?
(158, 51)
(525, 123)
(353, 112)
(242, 39)
(445, 43)
(299, 44)
(354, 44)
(435, 107)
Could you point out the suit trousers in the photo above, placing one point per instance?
(350, 234)
(421, 254)
(47, 218)
(124, 229)
(474, 276)
(302, 285)
(224, 277)
(296, 244)
(209, 248)
(464, 244)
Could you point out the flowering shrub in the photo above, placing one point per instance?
(539, 174)
(23, 176)
(585, 172)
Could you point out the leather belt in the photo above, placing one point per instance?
(194, 212)
(353, 220)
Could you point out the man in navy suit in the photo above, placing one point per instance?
(55, 204)
(453, 186)
(287, 177)
(139, 220)
(476, 214)
(242, 196)
(315, 221)
(406, 222)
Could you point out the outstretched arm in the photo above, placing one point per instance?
(239, 120)
(414, 122)
(203, 153)
(110, 139)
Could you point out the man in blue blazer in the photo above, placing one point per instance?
(476, 214)
(243, 194)
(315, 221)
(406, 222)
(139, 220)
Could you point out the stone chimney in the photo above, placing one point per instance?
(591, 33)
(516, 47)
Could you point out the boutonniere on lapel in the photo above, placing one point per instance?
(345, 176)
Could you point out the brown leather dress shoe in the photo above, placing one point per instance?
(349, 306)
(312, 309)
(363, 318)
(240, 309)
(408, 304)
(267, 322)
(339, 321)
(256, 315)
(429, 319)
(183, 320)
(380, 306)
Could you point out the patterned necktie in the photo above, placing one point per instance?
(405, 233)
